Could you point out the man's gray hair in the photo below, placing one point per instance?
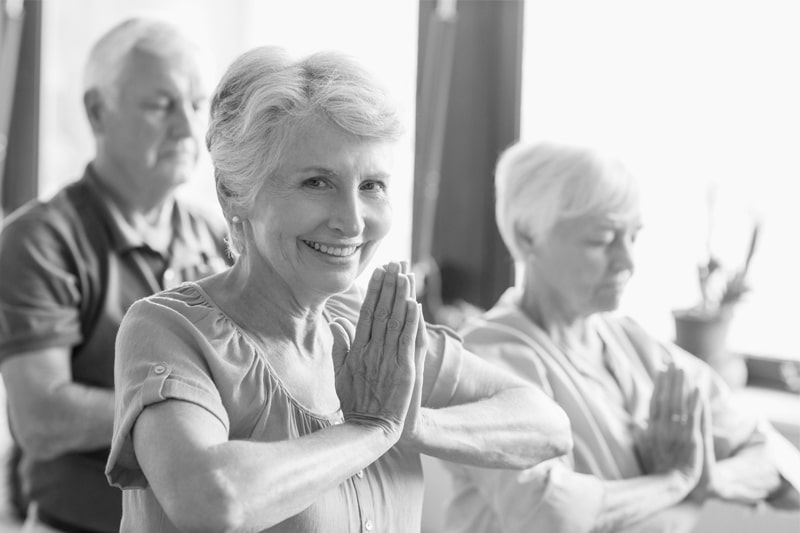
(107, 57)
(537, 185)
(265, 96)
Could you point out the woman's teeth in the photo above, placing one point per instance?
(338, 251)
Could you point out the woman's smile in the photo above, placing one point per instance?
(333, 249)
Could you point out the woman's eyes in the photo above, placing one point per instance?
(324, 183)
(316, 183)
(610, 238)
(373, 186)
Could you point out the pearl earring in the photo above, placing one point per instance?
(235, 219)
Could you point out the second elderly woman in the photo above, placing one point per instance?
(655, 430)
(249, 401)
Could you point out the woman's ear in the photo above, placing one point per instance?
(524, 238)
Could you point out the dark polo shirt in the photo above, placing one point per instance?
(69, 269)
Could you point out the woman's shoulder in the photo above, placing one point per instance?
(503, 335)
(503, 323)
(186, 299)
(185, 307)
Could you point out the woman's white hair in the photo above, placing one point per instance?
(537, 185)
(108, 55)
(265, 96)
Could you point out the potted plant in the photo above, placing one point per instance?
(703, 329)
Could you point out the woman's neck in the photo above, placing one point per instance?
(264, 305)
(565, 327)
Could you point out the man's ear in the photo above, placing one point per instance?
(95, 107)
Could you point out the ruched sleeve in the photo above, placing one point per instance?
(160, 356)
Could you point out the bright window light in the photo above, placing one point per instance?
(695, 96)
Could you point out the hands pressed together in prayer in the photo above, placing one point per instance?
(379, 364)
(678, 438)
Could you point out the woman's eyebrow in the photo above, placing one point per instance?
(323, 171)
(319, 170)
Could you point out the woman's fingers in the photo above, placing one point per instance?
(694, 416)
(420, 351)
(421, 342)
(366, 316)
(677, 397)
(661, 392)
(341, 344)
(385, 305)
(655, 399)
(407, 343)
(397, 320)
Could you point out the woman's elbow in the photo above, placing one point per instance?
(209, 505)
(561, 433)
(553, 431)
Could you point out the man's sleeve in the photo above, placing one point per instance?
(39, 288)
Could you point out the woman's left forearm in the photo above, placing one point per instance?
(517, 427)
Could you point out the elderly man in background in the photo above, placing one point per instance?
(73, 265)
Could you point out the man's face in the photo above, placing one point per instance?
(149, 133)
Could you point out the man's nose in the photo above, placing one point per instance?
(185, 121)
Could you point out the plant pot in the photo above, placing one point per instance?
(705, 335)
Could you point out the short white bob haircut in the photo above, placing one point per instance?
(108, 55)
(538, 185)
(265, 96)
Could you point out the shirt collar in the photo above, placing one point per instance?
(124, 237)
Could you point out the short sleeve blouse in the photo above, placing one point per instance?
(177, 345)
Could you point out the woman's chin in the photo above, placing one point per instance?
(335, 284)
(607, 301)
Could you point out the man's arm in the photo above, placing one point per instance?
(51, 414)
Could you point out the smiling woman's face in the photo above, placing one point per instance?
(318, 220)
(587, 261)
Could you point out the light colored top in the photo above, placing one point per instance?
(604, 408)
(178, 345)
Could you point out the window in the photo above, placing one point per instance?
(694, 95)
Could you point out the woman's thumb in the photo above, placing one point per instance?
(340, 329)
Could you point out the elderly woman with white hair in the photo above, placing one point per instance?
(653, 428)
(274, 396)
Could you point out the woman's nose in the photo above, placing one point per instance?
(623, 254)
(347, 217)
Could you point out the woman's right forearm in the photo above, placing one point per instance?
(291, 475)
(631, 500)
